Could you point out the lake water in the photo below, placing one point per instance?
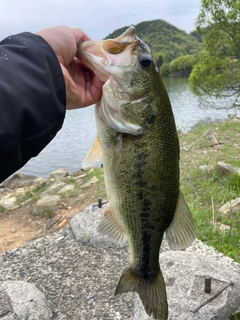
(69, 148)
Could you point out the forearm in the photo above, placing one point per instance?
(32, 99)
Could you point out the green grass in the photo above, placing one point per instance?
(97, 172)
(31, 194)
(49, 212)
(24, 197)
(90, 194)
(67, 194)
(206, 192)
(235, 316)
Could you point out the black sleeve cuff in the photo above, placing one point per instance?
(32, 99)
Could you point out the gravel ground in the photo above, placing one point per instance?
(79, 281)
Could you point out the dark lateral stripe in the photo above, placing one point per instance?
(145, 218)
(146, 237)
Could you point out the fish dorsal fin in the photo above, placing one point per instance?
(108, 226)
(181, 232)
(94, 154)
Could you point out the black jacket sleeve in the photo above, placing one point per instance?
(32, 99)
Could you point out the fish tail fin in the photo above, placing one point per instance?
(152, 292)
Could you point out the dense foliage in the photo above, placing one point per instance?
(217, 71)
(166, 41)
(181, 64)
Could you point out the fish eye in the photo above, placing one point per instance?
(145, 60)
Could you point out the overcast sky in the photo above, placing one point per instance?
(97, 18)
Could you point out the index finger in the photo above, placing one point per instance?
(80, 35)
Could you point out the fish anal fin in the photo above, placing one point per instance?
(109, 226)
(152, 292)
(94, 154)
(181, 232)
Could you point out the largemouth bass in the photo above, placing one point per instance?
(138, 143)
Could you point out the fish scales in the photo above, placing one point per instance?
(138, 143)
(146, 199)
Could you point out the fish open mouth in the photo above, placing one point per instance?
(117, 62)
(98, 55)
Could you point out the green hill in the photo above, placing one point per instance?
(166, 41)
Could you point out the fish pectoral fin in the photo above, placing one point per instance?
(94, 154)
(181, 232)
(116, 152)
(108, 226)
(152, 292)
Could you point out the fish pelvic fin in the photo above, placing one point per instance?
(109, 226)
(94, 154)
(152, 292)
(181, 232)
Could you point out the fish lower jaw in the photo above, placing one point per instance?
(97, 64)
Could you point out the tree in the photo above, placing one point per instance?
(164, 70)
(159, 61)
(217, 71)
(184, 63)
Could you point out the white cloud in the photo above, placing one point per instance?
(98, 18)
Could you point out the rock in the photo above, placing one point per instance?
(231, 206)
(79, 177)
(233, 118)
(26, 202)
(184, 274)
(77, 173)
(211, 136)
(91, 181)
(19, 180)
(68, 187)
(19, 191)
(8, 202)
(224, 168)
(206, 168)
(46, 205)
(48, 200)
(237, 171)
(84, 228)
(22, 300)
(221, 227)
(53, 188)
(59, 174)
(224, 228)
(5, 306)
(40, 180)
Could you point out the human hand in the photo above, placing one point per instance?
(83, 88)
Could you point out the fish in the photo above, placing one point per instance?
(138, 144)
